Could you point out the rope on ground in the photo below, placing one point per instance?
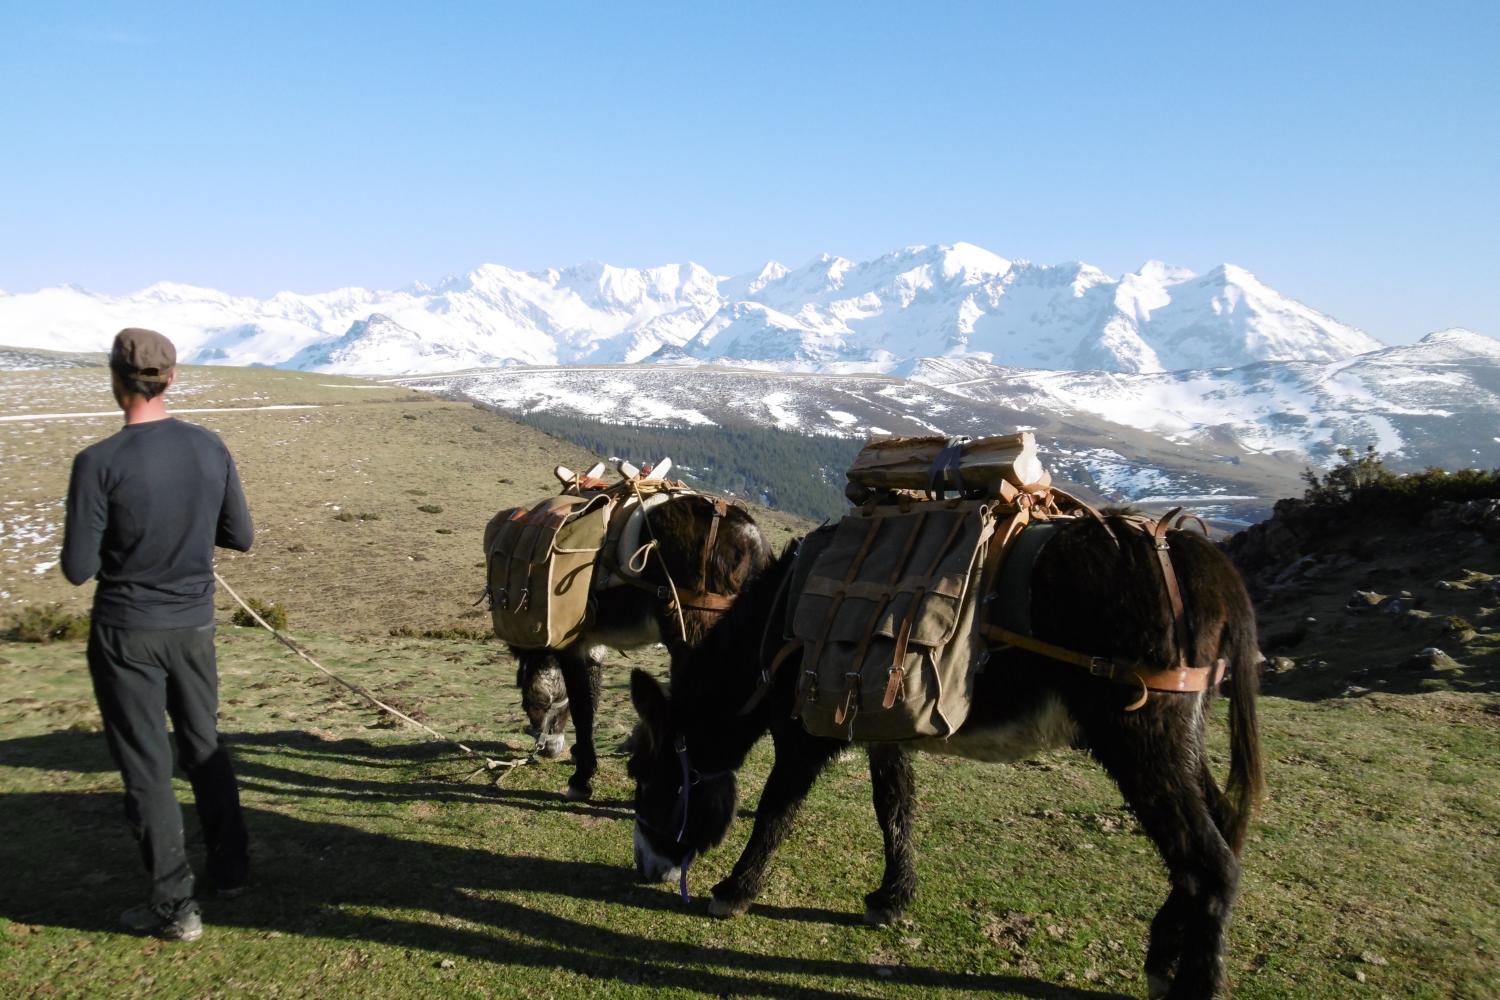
(490, 764)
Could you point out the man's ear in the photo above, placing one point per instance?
(171, 376)
(650, 701)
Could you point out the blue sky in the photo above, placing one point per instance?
(1346, 153)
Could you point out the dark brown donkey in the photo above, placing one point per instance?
(711, 550)
(1091, 594)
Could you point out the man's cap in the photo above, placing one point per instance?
(144, 355)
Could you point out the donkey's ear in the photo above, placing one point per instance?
(649, 699)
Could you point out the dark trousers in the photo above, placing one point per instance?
(140, 678)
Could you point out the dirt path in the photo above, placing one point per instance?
(175, 410)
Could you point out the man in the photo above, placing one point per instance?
(146, 506)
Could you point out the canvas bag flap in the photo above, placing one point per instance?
(885, 569)
(930, 549)
(540, 564)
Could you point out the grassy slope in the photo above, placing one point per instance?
(384, 451)
(380, 871)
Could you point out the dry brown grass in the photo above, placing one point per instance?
(419, 475)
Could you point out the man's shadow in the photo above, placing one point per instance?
(70, 863)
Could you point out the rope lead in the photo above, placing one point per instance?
(490, 764)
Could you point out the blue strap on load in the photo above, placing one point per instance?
(950, 459)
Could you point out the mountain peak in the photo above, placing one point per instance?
(1233, 274)
(1163, 273)
(952, 300)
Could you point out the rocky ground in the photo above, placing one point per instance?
(1357, 599)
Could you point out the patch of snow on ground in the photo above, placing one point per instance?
(847, 419)
(1120, 479)
(783, 418)
(647, 409)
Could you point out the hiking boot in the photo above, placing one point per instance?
(181, 923)
(229, 878)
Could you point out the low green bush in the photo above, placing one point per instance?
(48, 623)
(1362, 480)
(457, 632)
(274, 614)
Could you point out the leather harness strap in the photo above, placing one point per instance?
(720, 509)
(877, 610)
(1181, 679)
(703, 600)
(810, 677)
(903, 634)
(1174, 594)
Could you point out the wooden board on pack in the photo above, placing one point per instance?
(886, 618)
(906, 463)
(539, 563)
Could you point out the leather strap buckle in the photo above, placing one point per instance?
(1100, 666)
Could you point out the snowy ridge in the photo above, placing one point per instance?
(829, 315)
(1426, 403)
(1240, 436)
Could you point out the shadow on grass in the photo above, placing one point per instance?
(69, 863)
(322, 880)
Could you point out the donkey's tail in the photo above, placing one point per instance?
(1246, 782)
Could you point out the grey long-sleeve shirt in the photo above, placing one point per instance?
(146, 506)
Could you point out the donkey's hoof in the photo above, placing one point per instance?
(1157, 986)
(881, 916)
(578, 793)
(727, 907)
(551, 747)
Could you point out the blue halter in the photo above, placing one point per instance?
(690, 777)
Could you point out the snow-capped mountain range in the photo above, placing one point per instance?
(1234, 439)
(1160, 383)
(829, 315)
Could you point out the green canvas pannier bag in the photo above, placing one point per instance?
(886, 621)
(540, 568)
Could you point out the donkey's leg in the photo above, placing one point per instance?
(893, 787)
(581, 675)
(1156, 757)
(540, 682)
(800, 758)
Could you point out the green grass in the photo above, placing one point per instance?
(381, 872)
(376, 862)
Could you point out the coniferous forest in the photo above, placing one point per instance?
(797, 473)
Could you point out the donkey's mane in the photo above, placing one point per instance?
(726, 664)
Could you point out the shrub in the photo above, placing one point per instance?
(1362, 480)
(369, 517)
(457, 632)
(343, 515)
(430, 508)
(445, 531)
(274, 614)
(48, 623)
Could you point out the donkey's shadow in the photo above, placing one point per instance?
(70, 863)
